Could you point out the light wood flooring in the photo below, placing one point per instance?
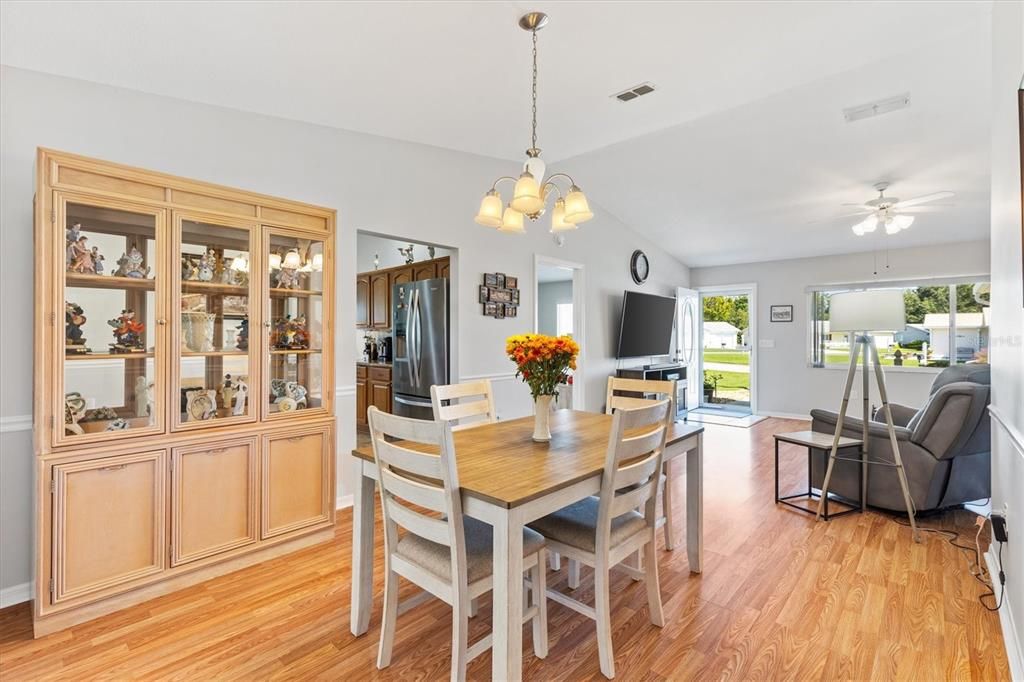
(782, 597)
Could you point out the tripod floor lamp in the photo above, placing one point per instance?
(860, 313)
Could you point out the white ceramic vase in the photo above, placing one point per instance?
(542, 418)
(197, 331)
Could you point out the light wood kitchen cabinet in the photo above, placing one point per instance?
(424, 270)
(213, 499)
(152, 443)
(363, 301)
(380, 300)
(296, 493)
(109, 516)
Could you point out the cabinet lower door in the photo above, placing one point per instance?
(109, 517)
(213, 499)
(296, 481)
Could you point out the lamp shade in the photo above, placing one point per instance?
(512, 221)
(869, 224)
(240, 263)
(490, 210)
(275, 261)
(558, 221)
(897, 223)
(577, 210)
(292, 260)
(526, 198)
(317, 263)
(867, 311)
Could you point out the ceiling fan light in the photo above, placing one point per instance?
(869, 224)
(902, 222)
(577, 210)
(526, 197)
(490, 210)
(558, 221)
(512, 221)
(858, 229)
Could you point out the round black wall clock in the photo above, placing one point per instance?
(639, 267)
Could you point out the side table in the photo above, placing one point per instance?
(813, 440)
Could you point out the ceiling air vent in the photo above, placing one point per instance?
(876, 108)
(634, 92)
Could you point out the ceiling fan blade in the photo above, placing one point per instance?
(930, 208)
(838, 217)
(862, 205)
(924, 199)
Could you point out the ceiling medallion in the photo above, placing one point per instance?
(531, 189)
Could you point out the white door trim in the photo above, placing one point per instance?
(579, 321)
(748, 289)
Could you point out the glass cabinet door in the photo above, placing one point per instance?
(294, 321)
(110, 377)
(215, 359)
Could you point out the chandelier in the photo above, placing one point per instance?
(531, 189)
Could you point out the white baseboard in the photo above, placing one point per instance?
(343, 502)
(783, 415)
(1011, 636)
(15, 594)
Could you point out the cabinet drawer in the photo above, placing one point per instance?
(380, 374)
(296, 481)
(360, 371)
(109, 517)
(213, 498)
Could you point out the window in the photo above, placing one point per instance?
(934, 336)
(563, 319)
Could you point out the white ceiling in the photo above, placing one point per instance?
(744, 136)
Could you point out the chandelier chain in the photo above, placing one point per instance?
(534, 93)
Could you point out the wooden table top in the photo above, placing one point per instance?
(816, 439)
(500, 463)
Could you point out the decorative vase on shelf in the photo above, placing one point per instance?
(542, 418)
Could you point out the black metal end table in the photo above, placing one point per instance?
(813, 440)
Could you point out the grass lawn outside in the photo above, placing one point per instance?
(729, 357)
(841, 356)
(732, 387)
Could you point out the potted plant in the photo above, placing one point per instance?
(710, 385)
(544, 363)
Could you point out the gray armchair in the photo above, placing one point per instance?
(945, 446)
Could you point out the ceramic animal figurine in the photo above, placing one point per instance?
(127, 333)
(132, 264)
(406, 253)
(296, 392)
(74, 318)
(277, 388)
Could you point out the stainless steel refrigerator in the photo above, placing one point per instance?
(420, 342)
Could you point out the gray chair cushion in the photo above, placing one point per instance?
(479, 547)
(576, 525)
(978, 373)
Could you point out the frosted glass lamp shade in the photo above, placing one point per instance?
(240, 263)
(867, 311)
(577, 210)
(558, 221)
(512, 221)
(526, 198)
(865, 226)
(898, 223)
(490, 210)
(292, 260)
(318, 262)
(275, 261)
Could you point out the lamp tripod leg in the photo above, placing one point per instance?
(854, 352)
(907, 500)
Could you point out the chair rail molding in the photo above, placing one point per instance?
(17, 422)
(1016, 437)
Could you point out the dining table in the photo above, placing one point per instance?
(507, 480)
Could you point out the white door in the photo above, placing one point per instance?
(688, 334)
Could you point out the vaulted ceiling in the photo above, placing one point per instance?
(741, 154)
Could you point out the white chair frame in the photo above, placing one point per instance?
(455, 412)
(431, 482)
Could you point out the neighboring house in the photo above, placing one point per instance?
(842, 339)
(913, 334)
(971, 333)
(720, 335)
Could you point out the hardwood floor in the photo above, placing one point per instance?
(782, 597)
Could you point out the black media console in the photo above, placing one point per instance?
(665, 372)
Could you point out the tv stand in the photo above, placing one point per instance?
(670, 371)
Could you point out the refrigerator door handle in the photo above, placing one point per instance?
(412, 403)
(415, 350)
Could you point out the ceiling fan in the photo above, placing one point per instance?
(890, 212)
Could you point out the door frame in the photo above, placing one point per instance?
(748, 289)
(579, 318)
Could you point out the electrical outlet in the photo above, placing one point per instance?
(999, 531)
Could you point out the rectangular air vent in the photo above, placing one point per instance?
(634, 92)
(876, 108)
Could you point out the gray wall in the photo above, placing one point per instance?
(549, 295)
(786, 384)
(367, 245)
(1007, 332)
(360, 175)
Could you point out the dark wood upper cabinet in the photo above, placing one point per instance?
(444, 267)
(424, 270)
(380, 300)
(363, 301)
(401, 275)
(373, 289)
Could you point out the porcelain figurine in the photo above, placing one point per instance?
(132, 264)
(242, 335)
(376, 261)
(430, 252)
(407, 254)
(118, 424)
(81, 257)
(74, 318)
(188, 269)
(227, 390)
(290, 334)
(74, 410)
(143, 397)
(288, 278)
(71, 236)
(127, 333)
(201, 404)
(277, 387)
(99, 414)
(207, 266)
(241, 394)
(296, 392)
(97, 260)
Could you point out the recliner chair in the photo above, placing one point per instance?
(945, 446)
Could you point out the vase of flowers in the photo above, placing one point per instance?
(544, 363)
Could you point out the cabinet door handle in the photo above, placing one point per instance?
(114, 467)
(296, 439)
(161, 321)
(216, 451)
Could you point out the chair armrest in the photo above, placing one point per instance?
(824, 421)
(901, 414)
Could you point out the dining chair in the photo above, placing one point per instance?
(604, 530)
(446, 554)
(475, 403)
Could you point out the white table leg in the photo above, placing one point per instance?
(507, 643)
(695, 505)
(362, 552)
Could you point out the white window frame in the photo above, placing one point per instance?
(951, 282)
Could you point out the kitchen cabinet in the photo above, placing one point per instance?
(373, 387)
(363, 301)
(424, 270)
(361, 402)
(380, 300)
(295, 490)
(373, 289)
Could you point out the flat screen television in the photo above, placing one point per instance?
(646, 325)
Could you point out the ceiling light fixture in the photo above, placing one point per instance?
(888, 211)
(531, 189)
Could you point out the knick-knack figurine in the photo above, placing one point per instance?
(81, 256)
(127, 333)
(242, 335)
(430, 252)
(207, 266)
(288, 277)
(376, 261)
(201, 404)
(143, 396)
(132, 264)
(74, 318)
(241, 395)
(407, 254)
(97, 260)
(290, 334)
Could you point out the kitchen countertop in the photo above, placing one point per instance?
(362, 363)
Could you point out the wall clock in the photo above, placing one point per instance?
(639, 267)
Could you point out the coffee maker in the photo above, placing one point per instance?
(384, 349)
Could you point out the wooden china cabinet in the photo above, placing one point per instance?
(184, 407)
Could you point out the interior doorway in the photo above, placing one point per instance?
(558, 311)
(728, 350)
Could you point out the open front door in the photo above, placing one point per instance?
(688, 334)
